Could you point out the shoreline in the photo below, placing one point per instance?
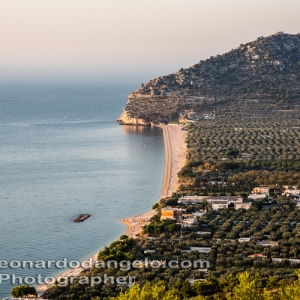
(175, 156)
(175, 149)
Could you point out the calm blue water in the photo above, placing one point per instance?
(62, 153)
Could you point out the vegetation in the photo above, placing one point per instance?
(155, 227)
(244, 286)
(255, 81)
(228, 159)
(243, 109)
(23, 291)
(241, 155)
(228, 257)
(118, 250)
(157, 291)
(241, 287)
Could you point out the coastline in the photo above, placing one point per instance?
(175, 148)
(175, 155)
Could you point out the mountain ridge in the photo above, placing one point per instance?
(259, 78)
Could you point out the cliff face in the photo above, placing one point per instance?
(258, 78)
(126, 119)
(147, 110)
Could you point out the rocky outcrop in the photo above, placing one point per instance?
(149, 110)
(81, 218)
(126, 119)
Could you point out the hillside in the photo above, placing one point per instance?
(260, 79)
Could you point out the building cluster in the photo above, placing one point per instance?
(217, 202)
(291, 190)
(262, 192)
(185, 219)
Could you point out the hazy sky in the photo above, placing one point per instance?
(132, 40)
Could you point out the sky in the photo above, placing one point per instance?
(128, 41)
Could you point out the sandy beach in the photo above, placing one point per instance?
(175, 149)
(135, 224)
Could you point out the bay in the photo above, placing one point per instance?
(62, 153)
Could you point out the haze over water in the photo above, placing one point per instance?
(62, 153)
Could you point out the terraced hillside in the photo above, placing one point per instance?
(260, 79)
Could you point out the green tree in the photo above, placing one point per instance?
(247, 288)
(155, 206)
(231, 152)
(22, 290)
(149, 291)
(290, 291)
(208, 287)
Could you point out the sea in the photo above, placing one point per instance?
(62, 154)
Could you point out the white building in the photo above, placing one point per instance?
(242, 205)
(267, 243)
(243, 239)
(258, 196)
(219, 205)
(199, 213)
(205, 250)
(204, 232)
(189, 221)
(192, 199)
(225, 199)
(149, 251)
(290, 260)
(291, 192)
(261, 190)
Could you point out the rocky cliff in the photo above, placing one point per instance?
(126, 119)
(257, 79)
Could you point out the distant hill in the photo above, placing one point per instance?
(260, 79)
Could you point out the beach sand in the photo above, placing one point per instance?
(175, 148)
(135, 224)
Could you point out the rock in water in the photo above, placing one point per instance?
(81, 218)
